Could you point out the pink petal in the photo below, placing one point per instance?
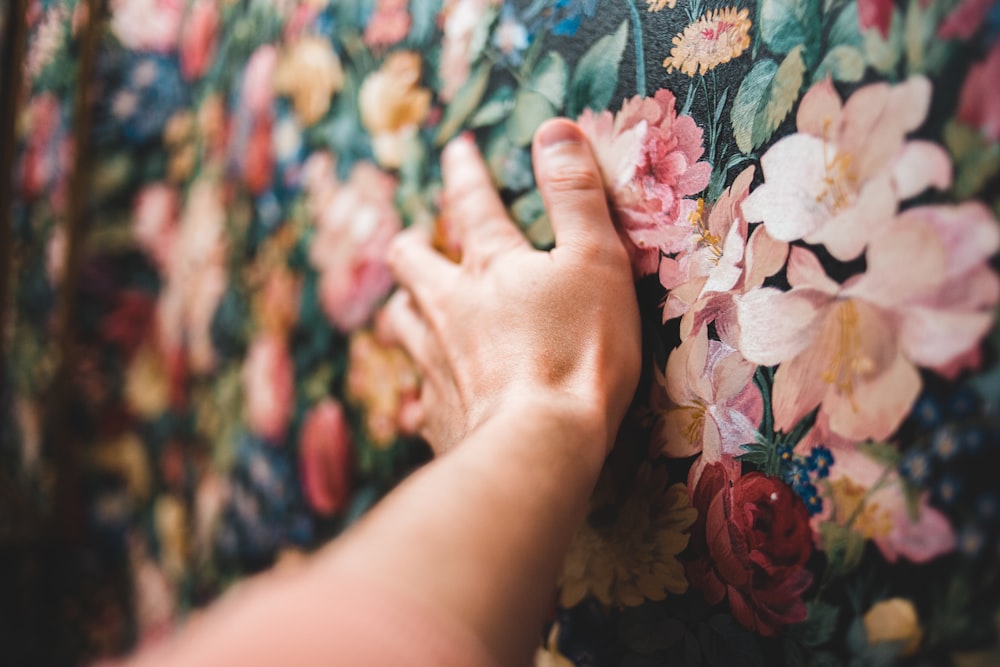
(798, 388)
(877, 407)
(776, 325)
(934, 337)
(805, 270)
(819, 110)
(765, 256)
(921, 165)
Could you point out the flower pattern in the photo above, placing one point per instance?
(808, 194)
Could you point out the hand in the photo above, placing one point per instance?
(511, 328)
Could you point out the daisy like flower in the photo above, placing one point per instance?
(632, 556)
(716, 38)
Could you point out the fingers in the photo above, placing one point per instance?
(571, 186)
(417, 267)
(403, 325)
(472, 203)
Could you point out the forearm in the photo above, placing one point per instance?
(481, 533)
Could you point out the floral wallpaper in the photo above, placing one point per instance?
(196, 387)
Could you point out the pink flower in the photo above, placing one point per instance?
(717, 262)
(154, 222)
(389, 23)
(649, 158)
(965, 19)
(712, 405)
(258, 158)
(875, 14)
(325, 457)
(383, 381)
(865, 496)
(195, 279)
(269, 385)
(257, 92)
(844, 173)
(979, 103)
(926, 299)
(198, 39)
(147, 25)
(47, 156)
(353, 233)
(460, 18)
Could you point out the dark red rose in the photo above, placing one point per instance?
(325, 457)
(753, 539)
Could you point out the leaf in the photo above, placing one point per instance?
(816, 630)
(482, 33)
(844, 548)
(785, 24)
(549, 79)
(423, 14)
(465, 102)
(596, 75)
(530, 110)
(845, 29)
(842, 63)
(765, 98)
(883, 54)
(494, 109)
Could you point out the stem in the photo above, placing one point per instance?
(688, 100)
(640, 55)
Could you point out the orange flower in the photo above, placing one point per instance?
(715, 38)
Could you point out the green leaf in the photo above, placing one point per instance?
(596, 75)
(844, 30)
(766, 96)
(842, 63)
(423, 14)
(495, 108)
(482, 33)
(844, 548)
(465, 102)
(816, 630)
(549, 79)
(531, 109)
(785, 24)
(529, 211)
(883, 54)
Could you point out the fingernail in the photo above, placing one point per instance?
(558, 132)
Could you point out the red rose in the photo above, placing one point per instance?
(754, 540)
(325, 458)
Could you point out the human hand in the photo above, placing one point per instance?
(510, 328)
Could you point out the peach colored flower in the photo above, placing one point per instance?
(381, 379)
(276, 305)
(195, 278)
(353, 232)
(842, 175)
(649, 159)
(389, 23)
(460, 18)
(718, 261)
(310, 73)
(979, 103)
(325, 457)
(147, 25)
(257, 88)
(706, 403)
(198, 39)
(154, 222)
(716, 38)
(269, 386)
(926, 299)
(393, 104)
(894, 621)
(865, 496)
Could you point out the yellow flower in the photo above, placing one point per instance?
(393, 104)
(632, 556)
(657, 5)
(310, 73)
(380, 379)
(715, 38)
(894, 620)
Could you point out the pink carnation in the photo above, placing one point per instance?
(325, 457)
(198, 39)
(649, 158)
(147, 25)
(389, 24)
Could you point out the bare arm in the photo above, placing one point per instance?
(530, 360)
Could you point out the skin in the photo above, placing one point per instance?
(529, 361)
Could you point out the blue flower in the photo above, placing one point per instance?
(988, 507)
(946, 444)
(810, 496)
(511, 36)
(948, 490)
(916, 466)
(797, 475)
(785, 453)
(819, 461)
(927, 411)
(963, 403)
(972, 439)
(971, 541)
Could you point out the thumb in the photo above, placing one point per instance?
(571, 186)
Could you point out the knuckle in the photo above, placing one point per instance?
(572, 178)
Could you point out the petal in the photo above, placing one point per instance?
(847, 234)
(776, 325)
(805, 270)
(798, 388)
(920, 165)
(819, 109)
(877, 407)
(933, 337)
(904, 264)
(764, 257)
